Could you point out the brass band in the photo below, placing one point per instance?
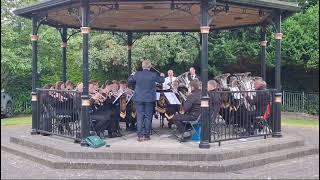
(278, 36)
(85, 30)
(34, 37)
(205, 29)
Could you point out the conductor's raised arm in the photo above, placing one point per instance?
(160, 79)
(132, 78)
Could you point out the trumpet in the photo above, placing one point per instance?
(99, 97)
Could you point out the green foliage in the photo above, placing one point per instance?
(301, 39)
(108, 51)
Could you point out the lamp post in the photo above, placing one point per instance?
(277, 105)
(205, 29)
(85, 30)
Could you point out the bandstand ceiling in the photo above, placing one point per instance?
(156, 15)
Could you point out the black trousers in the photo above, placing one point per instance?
(178, 118)
(104, 121)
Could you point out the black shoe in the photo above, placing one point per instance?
(147, 138)
(118, 134)
(140, 139)
(169, 125)
(186, 134)
(111, 135)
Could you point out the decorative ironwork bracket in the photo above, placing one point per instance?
(102, 9)
(184, 7)
(41, 20)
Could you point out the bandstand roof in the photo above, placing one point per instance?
(157, 15)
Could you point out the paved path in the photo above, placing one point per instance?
(14, 167)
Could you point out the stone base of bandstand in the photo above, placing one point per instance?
(162, 153)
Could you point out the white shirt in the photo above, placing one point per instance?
(167, 82)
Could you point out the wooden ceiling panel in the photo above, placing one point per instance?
(156, 16)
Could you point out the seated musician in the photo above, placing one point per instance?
(102, 111)
(172, 109)
(215, 99)
(260, 100)
(130, 121)
(191, 109)
(168, 80)
(69, 85)
(123, 85)
(116, 106)
(79, 87)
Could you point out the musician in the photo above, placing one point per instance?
(60, 85)
(215, 99)
(260, 101)
(69, 85)
(191, 109)
(104, 116)
(116, 106)
(79, 87)
(169, 80)
(145, 97)
(192, 74)
(123, 85)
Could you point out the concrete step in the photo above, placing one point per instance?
(245, 162)
(214, 154)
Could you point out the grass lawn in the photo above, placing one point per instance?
(16, 121)
(286, 121)
(299, 122)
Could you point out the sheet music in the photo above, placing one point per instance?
(172, 98)
(157, 96)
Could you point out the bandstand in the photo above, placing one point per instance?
(133, 16)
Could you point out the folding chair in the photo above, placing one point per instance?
(193, 124)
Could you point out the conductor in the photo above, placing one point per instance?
(145, 97)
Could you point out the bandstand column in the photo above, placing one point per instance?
(129, 43)
(34, 97)
(263, 53)
(278, 95)
(64, 54)
(205, 130)
(85, 30)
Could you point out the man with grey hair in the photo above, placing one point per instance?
(145, 97)
(260, 101)
(191, 110)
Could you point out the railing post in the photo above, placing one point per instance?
(303, 108)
